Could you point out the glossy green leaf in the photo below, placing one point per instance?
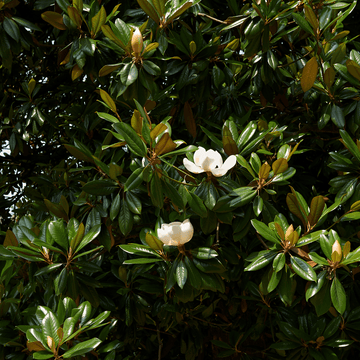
(262, 261)
(134, 142)
(100, 187)
(82, 348)
(265, 231)
(338, 296)
(303, 269)
(315, 287)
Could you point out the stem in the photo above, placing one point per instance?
(212, 18)
(160, 343)
(262, 241)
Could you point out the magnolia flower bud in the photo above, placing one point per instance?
(336, 253)
(176, 233)
(137, 42)
(209, 161)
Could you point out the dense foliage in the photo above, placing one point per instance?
(179, 179)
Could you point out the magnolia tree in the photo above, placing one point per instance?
(179, 179)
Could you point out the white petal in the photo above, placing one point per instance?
(192, 167)
(198, 154)
(210, 160)
(229, 163)
(175, 232)
(219, 172)
(187, 231)
(216, 157)
(163, 234)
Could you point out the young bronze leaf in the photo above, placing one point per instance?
(158, 129)
(309, 74)
(10, 239)
(311, 17)
(189, 119)
(228, 142)
(108, 100)
(165, 145)
(353, 68)
(316, 208)
(55, 19)
(279, 230)
(295, 207)
(329, 76)
(279, 166)
(136, 121)
(264, 171)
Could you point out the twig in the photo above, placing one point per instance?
(262, 241)
(160, 343)
(212, 18)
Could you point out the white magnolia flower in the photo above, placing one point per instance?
(176, 233)
(209, 161)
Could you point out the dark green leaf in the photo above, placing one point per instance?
(338, 295)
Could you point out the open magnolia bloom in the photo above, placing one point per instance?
(209, 161)
(176, 233)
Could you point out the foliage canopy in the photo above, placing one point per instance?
(179, 179)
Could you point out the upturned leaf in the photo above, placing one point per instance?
(309, 74)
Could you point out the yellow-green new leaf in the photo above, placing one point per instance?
(233, 45)
(74, 16)
(346, 249)
(340, 35)
(329, 76)
(98, 21)
(192, 47)
(31, 86)
(150, 47)
(110, 35)
(153, 242)
(355, 206)
(309, 74)
(76, 72)
(78, 4)
(178, 12)
(107, 69)
(279, 166)
(108, 100)
(353, 68)
(149, 9)
(159, 6)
